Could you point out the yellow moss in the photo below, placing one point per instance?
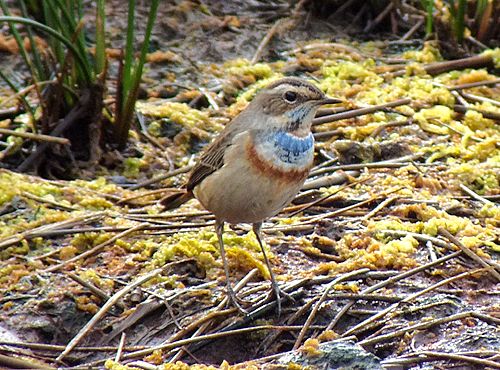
(294, 366)
(390, 224)
(442, 151)
(112, 365)
(12, 184)
(66, 253)
(100, 184)
(92, 276)
(429, 54)
(84, 241)
(242, 67)
(441, 113)
(133, 167)
(85, 304)
(155, 358)
(406, 245)
(489, 210)
(310, 348)
(483, 150)
(180, 113)
(495, 54)
(328, 335)
(351, 286)
(289, 220)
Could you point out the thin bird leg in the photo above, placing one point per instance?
(219, 229)
(275, 288)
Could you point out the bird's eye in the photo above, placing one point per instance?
(290, 96)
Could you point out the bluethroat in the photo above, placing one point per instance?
(257, 165)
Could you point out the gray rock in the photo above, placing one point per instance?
(335, 355)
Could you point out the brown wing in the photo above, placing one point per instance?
(211, 160)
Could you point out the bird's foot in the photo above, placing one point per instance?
(278, 293)
(233, 300)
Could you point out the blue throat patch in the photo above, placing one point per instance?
(292, 149)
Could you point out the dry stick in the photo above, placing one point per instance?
(390, 163)
(119, 351)
(29, 135)
(26, 90)
(485, 113)
(111, 302)
(421, 237)
(486, 318)
(382, 205)
(452, 129)
(475, 195)
(414, 29)
(29, 234)
(48, 201)
(468, 251)
(213, 336)
(67, 122)
(360, 112)
(271, 338)
(414, 357)
(7, 362)
(96, 248)
(422, 325)
(481, 61)
(58, 232)
(367, 297)
(321, 300)
(201, 329)
(451, 356)
(390, 281)
(477, 98)
(11, 113)
(145, 194)
(379, 18)
(59, 348)
(302, 208)
(265, 41)
(156, 179)
(337, 178)
(95, 290)
(361, 166)
(309, 220)
(409, 299)
(391, 124)
(474, 84)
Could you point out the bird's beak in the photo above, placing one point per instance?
(328, 101)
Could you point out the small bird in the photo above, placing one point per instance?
(258, 163)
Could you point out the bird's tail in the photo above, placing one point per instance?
(175, 198)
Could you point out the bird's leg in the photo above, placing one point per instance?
(275, 288)
(219, 229)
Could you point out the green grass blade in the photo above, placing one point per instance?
(133, 89)
(129, 49)
(25, 102)
(458, 15)
(429, 8)
(34, 50)
(79, 58)
(19, 41)
(100, 38)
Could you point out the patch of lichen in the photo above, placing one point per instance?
(243, 252)
(178, 365)
(472, 234)
(14, 184)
